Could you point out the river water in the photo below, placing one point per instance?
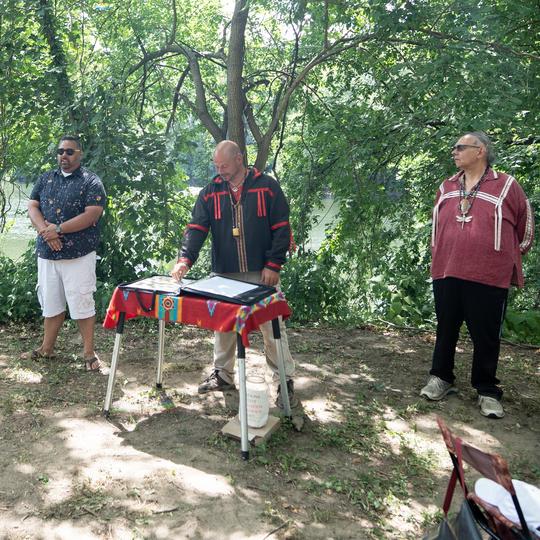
(14, 240)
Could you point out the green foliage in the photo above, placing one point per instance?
(371, 125)
(522, 326)
(375, 130)
(313, 285)
(18, 300)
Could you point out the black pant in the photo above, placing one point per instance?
(482, 307)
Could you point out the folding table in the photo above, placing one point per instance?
(205, 313)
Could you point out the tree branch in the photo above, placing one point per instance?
(176, 98)
(64, 92)
(282, 101)
(252, 123)
(201, 107)
(488, 44)
(172, 37)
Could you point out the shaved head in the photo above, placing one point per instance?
(227, 148)
(229, 161)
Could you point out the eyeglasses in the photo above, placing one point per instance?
(461, 147)
(68, 151)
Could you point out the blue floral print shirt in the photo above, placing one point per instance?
(61, 198)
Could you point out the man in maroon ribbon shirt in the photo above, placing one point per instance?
(482, 224)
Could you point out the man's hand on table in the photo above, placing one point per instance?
(269, 277)
(180, 270)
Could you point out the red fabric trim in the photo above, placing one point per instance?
(263, 203)
(262, 189)
(185, 260)
(198, 227)
(217, 179)
(278, 225)
(216, 195)
(194, 312)
(213, 195)
(449, 492)
(273, 265)
(261, 200)
(256, 172)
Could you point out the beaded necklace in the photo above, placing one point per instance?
(467, 198)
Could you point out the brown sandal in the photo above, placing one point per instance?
(36, 354)
(93, 364)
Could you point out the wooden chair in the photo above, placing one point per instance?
(494, 467)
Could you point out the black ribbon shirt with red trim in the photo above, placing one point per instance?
(261, 219)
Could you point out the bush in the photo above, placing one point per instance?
(314, 287)
(18, 299)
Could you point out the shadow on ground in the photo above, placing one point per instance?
(369, 462)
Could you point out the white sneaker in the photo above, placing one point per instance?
(436, 388)
(490, 407)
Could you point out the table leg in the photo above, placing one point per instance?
(161, 350)
(114, 362)
(281, 367)
(242, 409)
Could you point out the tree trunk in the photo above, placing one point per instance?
(235, 64)
(65, 95)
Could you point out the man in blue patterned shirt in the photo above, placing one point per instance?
(65, 207)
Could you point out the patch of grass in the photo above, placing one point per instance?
(417, 467)
(431, 518)
(522, 468)
(462, 414)
(359, 432)
(411, 410)
(322, 514)
(368, 490)
(274, 514)
(220, 442)
(293, 462)
(85, 500)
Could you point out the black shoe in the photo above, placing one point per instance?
(214, 383)
(293, 401)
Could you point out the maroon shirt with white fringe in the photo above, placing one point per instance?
(488, 248)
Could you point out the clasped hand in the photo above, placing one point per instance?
(49, 234)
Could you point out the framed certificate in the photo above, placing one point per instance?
(228, 290)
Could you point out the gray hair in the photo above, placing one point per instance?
(485, 141)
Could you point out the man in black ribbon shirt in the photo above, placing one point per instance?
(248, 216)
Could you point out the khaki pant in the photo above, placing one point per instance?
(225, 342)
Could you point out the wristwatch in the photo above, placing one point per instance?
(58, 228)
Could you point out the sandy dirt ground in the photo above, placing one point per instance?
(368, 463)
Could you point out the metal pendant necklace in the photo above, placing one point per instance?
(235, 206)
(235, 212)
(466, 199)
(236, 187)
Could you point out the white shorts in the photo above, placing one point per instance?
(71, 280)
